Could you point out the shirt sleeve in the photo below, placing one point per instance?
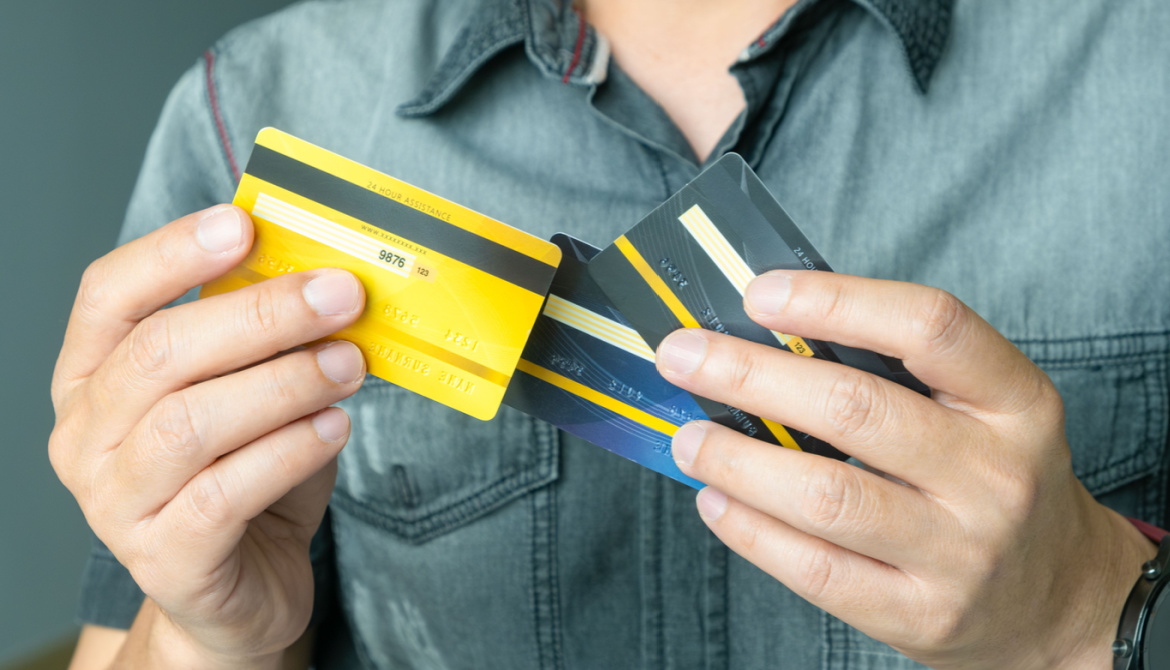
(186, 168)
(109, 596)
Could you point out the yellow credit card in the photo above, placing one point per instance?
(451, 295)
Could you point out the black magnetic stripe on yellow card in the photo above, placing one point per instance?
(427, 231)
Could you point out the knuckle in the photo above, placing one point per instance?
(948, 615)
(852, 405)
(58, 390)
(172, 431)
(1018, 484)
(66, 457)
(744, 377)
(91, 292)
(939, 322)
(60, 446)
(168, 251)
(149, 346)
(262, 311)
(818, 570)
(943, 628)
(1020, 495)
(981, 565)
(831, 498)
(282, 453)
(210, 501)
(749, 534)
(1043, 406)
(833, 304)
(279, 385)
(1051, 402)
(719, 459)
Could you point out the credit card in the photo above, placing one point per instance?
(586, 371)
(687, 264)
(451, 295)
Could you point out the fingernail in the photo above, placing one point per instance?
(682, 352)
(220, 230)
(341, 362)
(686, 443)
(333, 293)
(768, 293)
(331, 424)
(712, 504)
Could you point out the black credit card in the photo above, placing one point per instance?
(688, 263)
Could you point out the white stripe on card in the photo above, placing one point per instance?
(607, 330)
(700, 226)
(333, 234)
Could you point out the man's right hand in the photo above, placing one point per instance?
(201, 455)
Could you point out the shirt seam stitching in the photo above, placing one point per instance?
(217, 113)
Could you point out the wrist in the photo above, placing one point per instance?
(156, 641)
(1143, 637)
(1108, 579)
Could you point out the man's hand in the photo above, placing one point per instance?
(968, 541)
(199, 455)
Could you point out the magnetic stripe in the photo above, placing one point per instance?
(365, 205)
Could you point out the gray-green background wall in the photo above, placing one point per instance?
(81, 84)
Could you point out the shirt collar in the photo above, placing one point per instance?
(557, 40)
(922, 26)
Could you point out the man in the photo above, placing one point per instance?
(1006, 154)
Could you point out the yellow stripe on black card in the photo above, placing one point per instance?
(684, 317)
(655, 283)
(781, 434)
(597, 398)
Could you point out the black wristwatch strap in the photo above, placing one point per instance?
(1143, 635)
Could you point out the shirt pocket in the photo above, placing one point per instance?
(1115, 398)
(419, 469)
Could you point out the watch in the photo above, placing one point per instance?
(1143, 636)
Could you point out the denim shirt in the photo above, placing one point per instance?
(1014, 154)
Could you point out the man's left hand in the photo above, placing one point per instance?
(966, 541)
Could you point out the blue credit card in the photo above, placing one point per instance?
(588, 372)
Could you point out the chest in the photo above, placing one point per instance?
(1039, 204)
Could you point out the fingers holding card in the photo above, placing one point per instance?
(465, 310)
(452, 294)
(688, 265)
